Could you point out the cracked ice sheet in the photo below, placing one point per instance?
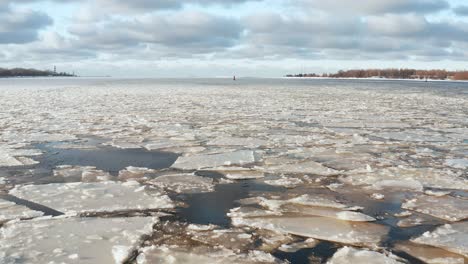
(237, 141)
(11, 211)
(451, 237)
(348, 255)
(77, 198)
(72, 240)
(445, 207)
(323, 228)
(201, 161)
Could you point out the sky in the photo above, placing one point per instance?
(214, 38)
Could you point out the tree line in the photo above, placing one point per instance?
(20, 72)
(391, 74)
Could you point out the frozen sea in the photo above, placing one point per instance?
(107, 170)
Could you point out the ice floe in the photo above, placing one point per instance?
(134, 173)
(16, 157)
(451, 237)
(430, 255)
(308, 167)
(65, 240)
(428, 177)
(184, 183)
(351, 255)
(296, 246)
(174, 254)
(445, 207)
(73, 198)
(201, 161)
(323, 228)
(238, 173)
(81, 173)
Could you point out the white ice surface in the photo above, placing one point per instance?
(72, 240)
(72, 198)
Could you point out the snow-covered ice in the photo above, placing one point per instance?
(75, 198)
(72, 240)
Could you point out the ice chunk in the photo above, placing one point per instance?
(348, 255)
(428, 177)
(175, 254)
(308, 167)
(237, 141)
(238, 173)
(326, 212)
(377, 196)
(83, 173)
(61, 239)
(324, 228)
(71, 198)
(134, 173)
(451, 237)
(430, 255)
(294, 247)
(445, 207)
(415, 220)
(413, 137)
(457, 163)
(305, 199)
(184, 183)
(201, 161)
(15, 157)
(287, 182)
(10, 211)
(398, 185)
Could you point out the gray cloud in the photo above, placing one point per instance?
(187, 32)
(380, 7)
(461, 10)
(386, 36)
(21, 26)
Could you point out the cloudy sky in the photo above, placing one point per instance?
(208, 38)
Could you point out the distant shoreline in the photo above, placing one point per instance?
(30, 73)
(391, 73)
